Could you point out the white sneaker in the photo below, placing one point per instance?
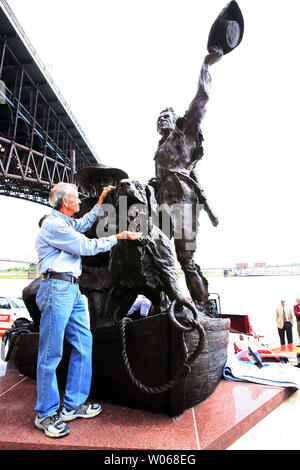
(53, 426)
(87, 410)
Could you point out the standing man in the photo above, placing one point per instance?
(297, 315)
(284, 320)
(59, 245)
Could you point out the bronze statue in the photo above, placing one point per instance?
(176, 184)
(148, 266)
(180, 369)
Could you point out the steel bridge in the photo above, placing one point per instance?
(41, 141)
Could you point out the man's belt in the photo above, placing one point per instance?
(63, 277)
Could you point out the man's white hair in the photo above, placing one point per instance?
(60, 191)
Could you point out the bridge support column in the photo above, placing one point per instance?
(73, 165)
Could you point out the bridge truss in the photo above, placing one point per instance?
(41, 141)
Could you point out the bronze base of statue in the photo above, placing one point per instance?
(156, 352)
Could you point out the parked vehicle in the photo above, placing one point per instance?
(11, 309)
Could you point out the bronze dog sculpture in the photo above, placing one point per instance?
(146, 266)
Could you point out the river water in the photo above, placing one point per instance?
(256, 296)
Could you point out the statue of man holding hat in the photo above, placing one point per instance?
(180, 148)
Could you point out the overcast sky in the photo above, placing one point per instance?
(118, 63)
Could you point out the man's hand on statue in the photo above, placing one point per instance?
(215, 54)
(129, 235)
(104, 194)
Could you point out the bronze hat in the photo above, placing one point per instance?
(90, 174)
(228, 29)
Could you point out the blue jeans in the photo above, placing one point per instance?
(63, 315)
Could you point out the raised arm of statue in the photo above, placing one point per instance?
(225, 35)
(196, 111)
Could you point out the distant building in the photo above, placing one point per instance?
(33, 271)
(241, 266)
(260, 265)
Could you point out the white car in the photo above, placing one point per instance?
(12, 308)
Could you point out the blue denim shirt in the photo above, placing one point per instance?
(60, 242)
